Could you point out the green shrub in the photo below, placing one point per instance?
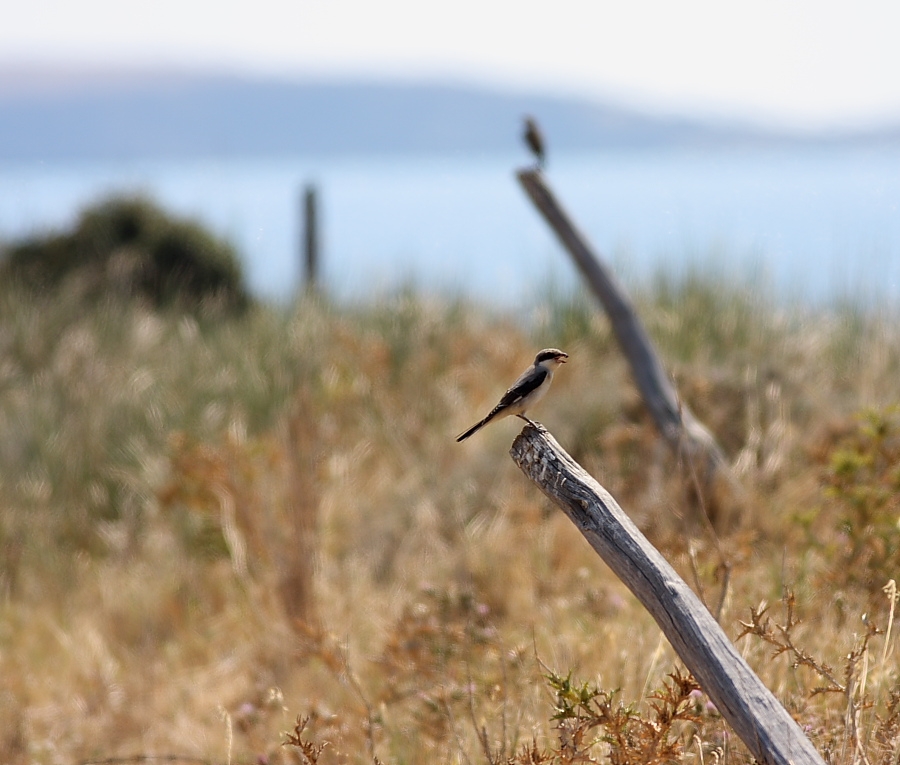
(862, 484)
(128, 247)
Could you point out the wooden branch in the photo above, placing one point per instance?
(769, 732)
(672, 417)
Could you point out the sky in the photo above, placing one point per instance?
(790, 63)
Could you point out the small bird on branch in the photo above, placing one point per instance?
(525, 392)
(535, 140)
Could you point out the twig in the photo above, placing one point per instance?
(480, 731)
(370, 712)
(890, 589)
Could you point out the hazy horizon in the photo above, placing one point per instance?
(130, 115)
(778, 64)
(43, 79)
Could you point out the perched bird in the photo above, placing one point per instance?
(535, 140)
(526, 391)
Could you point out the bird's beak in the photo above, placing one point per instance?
(562, 359)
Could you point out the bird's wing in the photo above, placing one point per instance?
(529, 380)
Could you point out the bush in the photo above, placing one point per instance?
(128, 247)
(862, 487)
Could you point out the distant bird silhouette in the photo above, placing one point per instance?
(535, 140)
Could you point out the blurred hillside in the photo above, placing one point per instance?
(56, 116)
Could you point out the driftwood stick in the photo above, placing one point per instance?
(673, 419)
(770, 733)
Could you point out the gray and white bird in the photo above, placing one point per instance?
(525, 392)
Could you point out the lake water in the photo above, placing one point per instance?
(811, 223)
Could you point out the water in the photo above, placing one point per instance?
(809, 223)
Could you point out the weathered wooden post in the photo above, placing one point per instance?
(678, 425)
(689, 438)
(310, 238)
(763, 724)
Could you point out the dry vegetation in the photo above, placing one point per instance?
(256, 541)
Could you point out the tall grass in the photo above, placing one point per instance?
(209, 529)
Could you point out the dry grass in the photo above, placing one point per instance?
(257, 541)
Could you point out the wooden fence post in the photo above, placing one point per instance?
(310, 238)
(677, 424)
(763, 724)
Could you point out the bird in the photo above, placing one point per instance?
(525, 392)
(535, 140)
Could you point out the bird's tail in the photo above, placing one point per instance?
(477, 426)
